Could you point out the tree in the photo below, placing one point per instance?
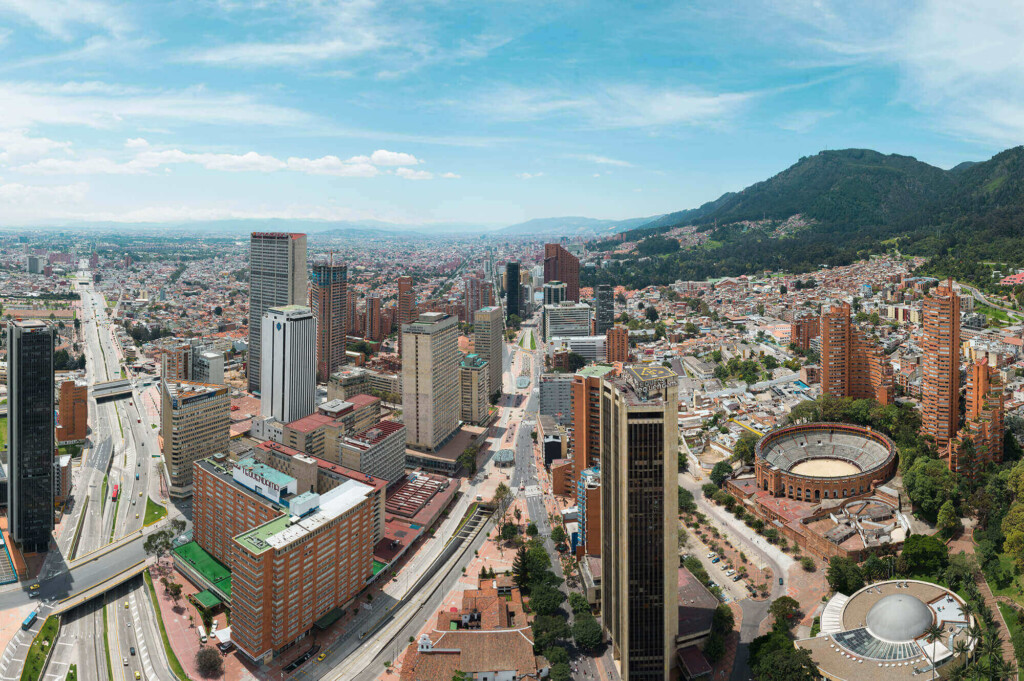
(576, 362)
(558, 534)
(531, 530)
(586, 632)
(714, 649)
(549, 630)
(578, 602)
(209, 662)
(844, 575)
(874, 568)
(521, 568)
(560, 671)
(514, 321)
(948, 522)
(218, 310)
(691, 329)
(502, 499)
(686, 501)
(786, 664)
(924, 555)
(743, 450)
(546, 600)
(723, 620)
(651, 314)
(467, 459)
(720, 472)
(174, 590)
(509, 532)
(929, 483)
(709, 489)
(517, 514)
(783, 609)
(769, 363)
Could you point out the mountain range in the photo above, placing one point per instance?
(838, 206)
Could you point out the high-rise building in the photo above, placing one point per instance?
(295, 554)
(350, 315)
(73, 412)
(374, 324)
(207, 366)
(30, 484)
(617, 345)
(984, 421)
(554, 292)
(566, 319)
(473, 389)
(35, 264)
(561, 265)
(277, 276)
(512, 290)
(479, 293)
(639, 525)
(288, 381)
(328, 300)
(488, 329)
(852, 364)
(430, 380)
(604, 312)
(406, 306)
(803, 329)
(176, 360)
(195, 423)
(941, 365)
(378, 451)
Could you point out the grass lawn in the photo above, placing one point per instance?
(106, 645)
(1013, 589)
(103, 494)
(997, 316)
(113, 526)
(171, 657)
(3, 433)
(40, 647)
(154, 512)
(1010, 615)
(72, 673)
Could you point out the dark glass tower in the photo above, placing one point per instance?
(30, 421)
(605, 309)
(512, 290)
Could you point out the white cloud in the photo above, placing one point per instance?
(286, 54)
(803, 121)
(57, 17)
(103, 105)
(410, 174)
(332, 165)
(450, 176)
(17, 195)
(602, 160)
(528, 176)
(383, 157)
(17, 146)
(136, 143)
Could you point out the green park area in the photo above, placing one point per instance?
(3, 433)
(39, 648)
(527, 341)
(206, 565)
(154, 512)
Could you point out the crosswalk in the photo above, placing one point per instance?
(17, 649)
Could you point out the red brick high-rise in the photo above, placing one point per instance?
(852, 365)
(73, 410)
(804, 328)
(561, 265)
(941, 365)
(984, 420)
(374, 323)
(328, 300)
(617, 344)
(479, 293)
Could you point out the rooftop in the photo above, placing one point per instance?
(596, 370)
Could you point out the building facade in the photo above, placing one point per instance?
(474, 389)
(277, 276)
(328, 300)
(941, 365)
(430, 380)
(554, 292)
(984, 422)
(30, 443)
(195, 424)
(639, 528)
(852, 364)
(604, 308)
(289, 361)
(73, 412)
(561, 265)
(378, 451)
(512, 290)
(617, 344)
(406, 306)
(566, 319)
(488, 333)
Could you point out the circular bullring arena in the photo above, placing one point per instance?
(818, 461)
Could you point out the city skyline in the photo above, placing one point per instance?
(424, 115)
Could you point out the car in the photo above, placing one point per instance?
(715, 560)
(711, 554)
(133, 501)
(126, 662)
(34, 587)
(137, 675)
(140, 495)
(126, 605)
(780, 581)
(736, 578)
(132, 650)
(136, 516)
(321, 657)
(33, 594)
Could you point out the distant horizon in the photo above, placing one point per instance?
(477, 115)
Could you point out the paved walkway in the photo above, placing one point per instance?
(965, 543)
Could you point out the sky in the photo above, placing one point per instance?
(478, 112)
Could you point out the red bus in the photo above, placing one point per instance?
(113, 496)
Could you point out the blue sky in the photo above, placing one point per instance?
(476, 112)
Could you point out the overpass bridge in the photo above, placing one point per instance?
(110, 390)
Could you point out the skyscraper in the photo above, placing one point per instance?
(195, 423)
(73, 406)
(604, 313)
(984, 421)
(639, 527)
(561, 265)
(852, 364)
(617, 345)
(488, 329)
(328, 299)
(479, 293)
(374, 323)
(288, 383)
(941, 365)
(554, 292)
(277, 276)
(406, 303)
(512, 293)
(473, 389)
(30, 433)
(430, 379)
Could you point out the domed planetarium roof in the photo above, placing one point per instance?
(899, 617)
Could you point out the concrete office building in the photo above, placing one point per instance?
(207, 367)
(488, 331)
(176, 360)
(556, 396)
(378, 451)
(474, 389)
(639, 527)
(604, 308)
(852, 364)
(617, 345)
(277, 277)
(566, 319)
(328, 301)
(35, 264)
(406, 306)
(554, 292)
(295, 555)
(30, 430)
(479, 293)
(561, 265)
(941, 365)
(513, 291)
(195, 424)
(289, 361)
(591, 348)
(430, 380)
(73, 412)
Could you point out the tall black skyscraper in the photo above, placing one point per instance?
(512, 290)
(604, 318)
(30, 421)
